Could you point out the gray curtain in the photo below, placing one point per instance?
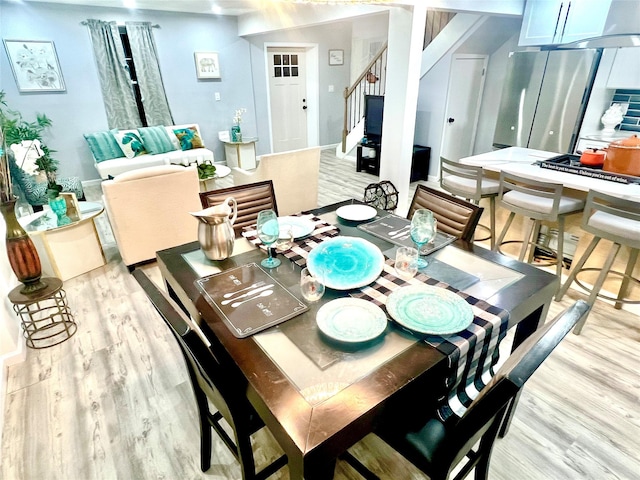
(145, 58)
(115, 82)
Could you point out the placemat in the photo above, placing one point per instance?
(301, 248)
(395, 229)
(249, 299)
(472, 353)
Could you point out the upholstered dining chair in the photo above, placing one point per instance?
(295, 175)
(212, 384)
(469, 182)
(437, 447)
(455, 216)
(251, 199)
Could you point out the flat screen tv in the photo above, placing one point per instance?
(373, 110)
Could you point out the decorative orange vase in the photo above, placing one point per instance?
(21, 251)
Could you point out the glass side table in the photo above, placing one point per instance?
(46, 318)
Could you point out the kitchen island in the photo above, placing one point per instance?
(523, 162)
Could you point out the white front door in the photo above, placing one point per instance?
(466, 83)
(288, 98)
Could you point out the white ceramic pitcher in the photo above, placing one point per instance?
(215, 230)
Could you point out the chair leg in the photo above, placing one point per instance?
(598, 285)
(560, 252)
(537, 225)
(633, 257)
(527, 238)
(245, 456)
(492, 216)
(576, 268)
(504, 231)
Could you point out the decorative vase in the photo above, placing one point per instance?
(21, 251)
(59, 207)
(236, 134)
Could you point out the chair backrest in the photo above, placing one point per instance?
(251, 199)
(208, 374)
(455, 215)
(471, 174)
(295, 176)
(626, 211)
(148, 209)
(548, 191)
(483, 417)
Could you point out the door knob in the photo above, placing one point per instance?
(450, 120)
(304, 107)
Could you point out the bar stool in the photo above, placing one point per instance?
(537, 201)
(616, 220)
(468, 181)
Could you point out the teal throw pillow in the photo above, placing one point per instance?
(189, 138)
(103, 145)
(130, 143)
(156, 139)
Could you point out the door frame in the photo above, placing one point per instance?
(478, 104)
(312, 85)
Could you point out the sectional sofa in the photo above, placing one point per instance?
(118, 151)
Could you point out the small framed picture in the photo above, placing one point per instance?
(336, 57)
(207, 65)
(35, 65)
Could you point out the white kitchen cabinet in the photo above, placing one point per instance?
(548, 22)
(625, 71)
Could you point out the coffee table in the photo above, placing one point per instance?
(69, 250)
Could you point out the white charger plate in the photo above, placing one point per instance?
(430, 310)
(356, 213)
(301, 226)
(351, 320)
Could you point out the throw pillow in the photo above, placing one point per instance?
(130, 143)
(103, 145)
(156, 139)
(189, 138)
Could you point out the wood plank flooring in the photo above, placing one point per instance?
(114, 401)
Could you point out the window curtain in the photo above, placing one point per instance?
(115, 82)
(145, 58)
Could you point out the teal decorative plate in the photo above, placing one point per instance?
(430, 310)
(351, 320)
(346, 262)
(301, 226)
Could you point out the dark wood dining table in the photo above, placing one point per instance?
(315, 431)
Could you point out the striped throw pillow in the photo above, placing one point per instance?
(156, 139)
(103, 145)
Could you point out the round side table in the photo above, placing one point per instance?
(46, 318)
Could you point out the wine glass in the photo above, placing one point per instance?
(423, 230)
(268, 232)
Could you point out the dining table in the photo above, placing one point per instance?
(319, 396)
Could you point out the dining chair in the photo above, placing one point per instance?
(437, 447)
(617, 220)
(469, 182)
(212, 384)
(251, 199)
(537, 201)
(455, 216)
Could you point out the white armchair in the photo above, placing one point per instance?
(294, 175)
(148, 209)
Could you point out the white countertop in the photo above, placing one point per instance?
(521, 161)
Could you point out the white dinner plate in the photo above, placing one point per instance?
(430, 310)
(301, 226)
(356, 213)
(351, 320)
(346, 262)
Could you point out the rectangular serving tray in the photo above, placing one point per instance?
(571, 164)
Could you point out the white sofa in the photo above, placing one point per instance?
(148, 210)
(116, 166)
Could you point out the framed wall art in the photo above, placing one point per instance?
(35, 65)
(336, 57)
(207, 65)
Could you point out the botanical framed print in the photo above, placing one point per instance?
(336, 57)
(35, 65)
(207, 65)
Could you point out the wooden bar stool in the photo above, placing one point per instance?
(618, 221)
(468, 181)
(537, 201)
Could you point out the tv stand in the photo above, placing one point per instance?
(364, 161)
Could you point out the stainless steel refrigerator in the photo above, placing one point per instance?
(544, 98)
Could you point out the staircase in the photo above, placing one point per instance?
(372, 81)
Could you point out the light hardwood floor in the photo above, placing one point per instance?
(114, 401)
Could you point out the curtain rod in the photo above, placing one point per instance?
(86, 22)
